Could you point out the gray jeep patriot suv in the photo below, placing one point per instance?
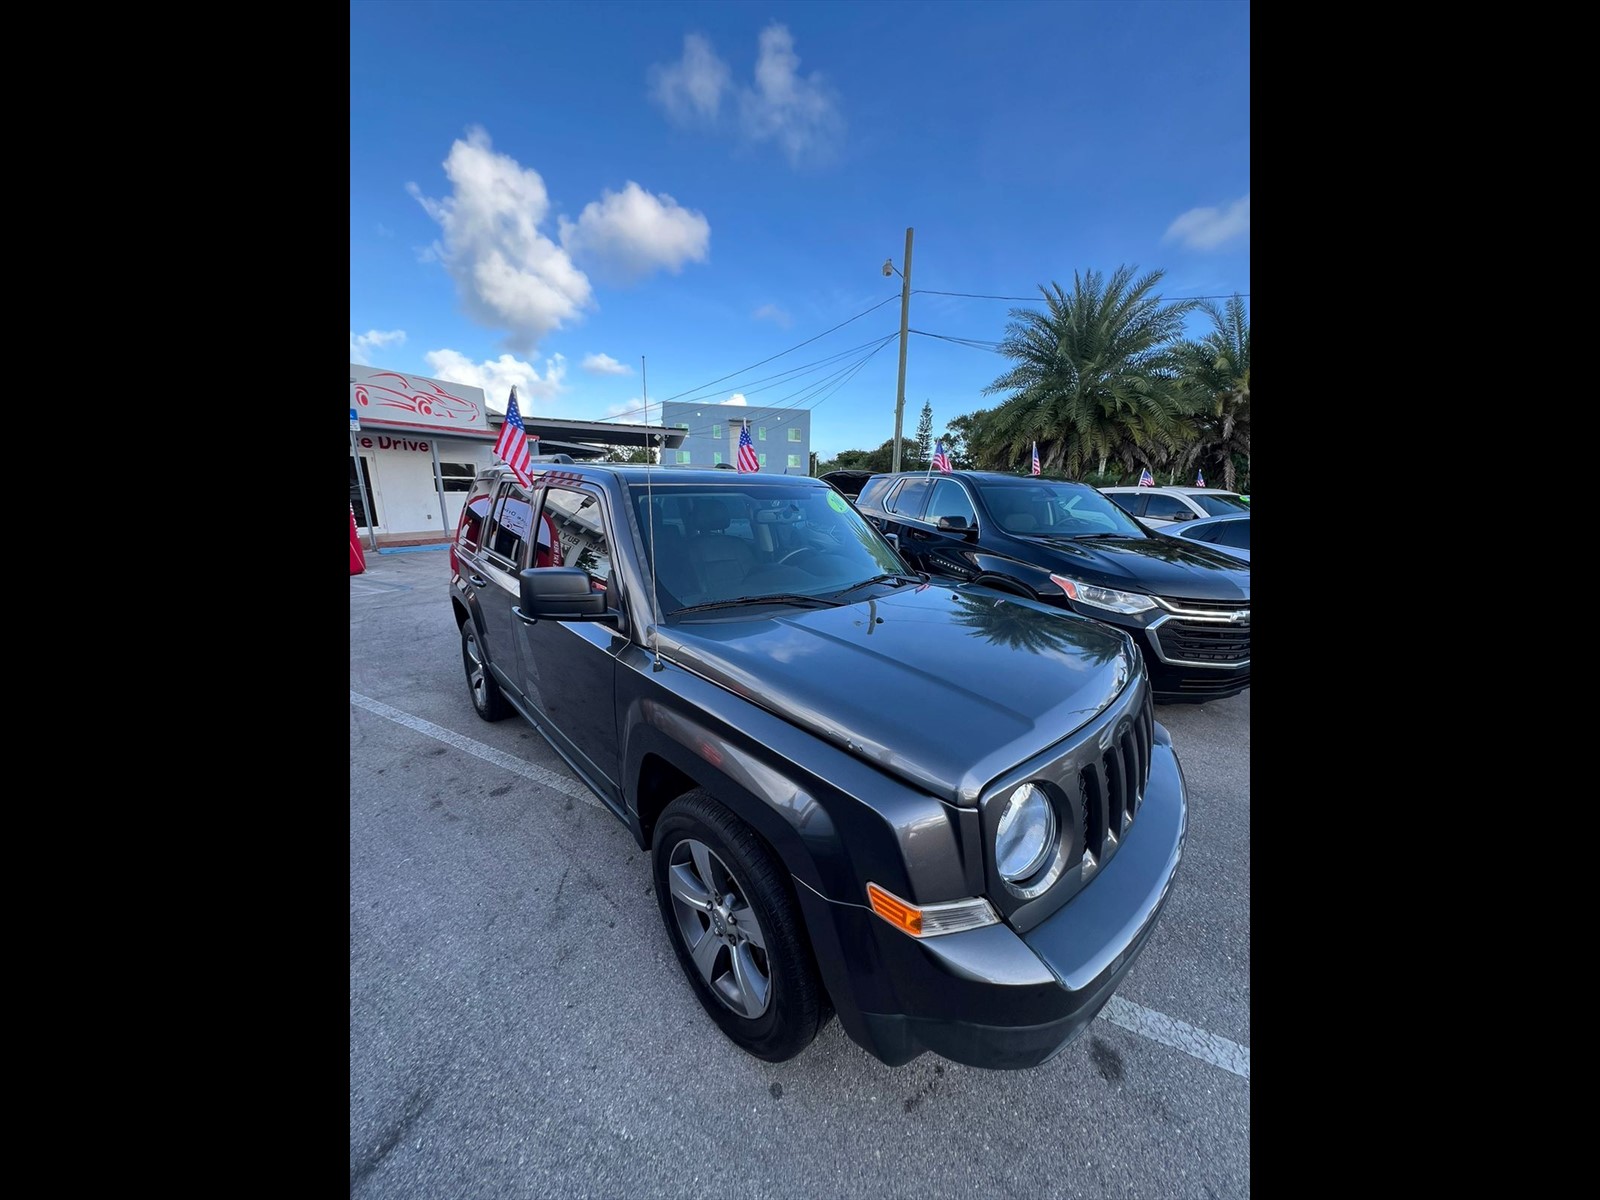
(941, 811)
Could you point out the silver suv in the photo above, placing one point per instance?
(1158, 506)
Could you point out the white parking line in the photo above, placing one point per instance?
(1136, 1018)
(1180, 1035)
(558, 783)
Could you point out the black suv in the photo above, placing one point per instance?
(1068, 545)
(944, 813)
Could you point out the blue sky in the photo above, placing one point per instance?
(542, 193)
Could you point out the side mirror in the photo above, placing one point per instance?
(561, 594)
(1183, 514)
(893, 539)
(957, 525)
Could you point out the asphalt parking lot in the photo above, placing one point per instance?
(519, 1025)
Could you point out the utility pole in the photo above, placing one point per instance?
(905, 318)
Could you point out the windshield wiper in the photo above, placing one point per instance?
(1083, 537)
(895, 578)
(781, 598)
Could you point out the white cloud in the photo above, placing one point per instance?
(736, 398)
(800, 114)
(631, 233)
(636, 412)
(691, 88)
(771, 312)
(497, 375)
(362, 345)
(510, 275)
(1211, 228)
(604, 364)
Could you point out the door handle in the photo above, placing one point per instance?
(516, 611)
(477, 581)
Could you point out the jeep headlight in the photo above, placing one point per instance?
(1027, 834)
(1103, 597)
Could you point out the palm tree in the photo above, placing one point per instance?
(1096, 374)
(1216, 381)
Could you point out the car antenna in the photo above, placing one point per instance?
(650, 507)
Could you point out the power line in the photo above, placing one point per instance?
(764, 361)
(750, 388)
(980, 296)
(816, 392)
(975, 343)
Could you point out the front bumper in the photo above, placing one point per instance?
(990, 997)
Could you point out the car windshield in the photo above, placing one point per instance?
(1218, 506)
(726, 544)
(1040, 508)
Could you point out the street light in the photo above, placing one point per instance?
(905, 320)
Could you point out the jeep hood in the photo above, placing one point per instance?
(944, 687)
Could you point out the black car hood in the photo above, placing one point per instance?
(944, 687)
(1160, 566)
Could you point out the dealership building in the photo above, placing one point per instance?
(416, 444)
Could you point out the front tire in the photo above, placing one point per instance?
(735, 928)
(485, 692)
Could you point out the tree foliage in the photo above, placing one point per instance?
(1096, 376)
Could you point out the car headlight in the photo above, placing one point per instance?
(1103, 597)
(1027, 834)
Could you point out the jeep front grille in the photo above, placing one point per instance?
(1111, 787)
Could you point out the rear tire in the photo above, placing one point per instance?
(485, 692)
(737, 934)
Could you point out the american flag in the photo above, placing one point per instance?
(747, 452)
(941, 460)
(1199, 478)
(512, 446)
(1145, 479)
(1035, 458)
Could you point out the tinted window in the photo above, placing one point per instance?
(574, 524)
(1038, 507)
(908, 501)
(1128, 502)
(1232, 533)
(472, 517)
(507, 535)
(1220, 506)
(871, 492)
(950, 500)
(1165, 508)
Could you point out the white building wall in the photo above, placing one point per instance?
(406, 502)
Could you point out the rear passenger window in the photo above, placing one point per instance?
(577, 522)
(908, 501)
(507, 535)
(472, 519)
(872, 494)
